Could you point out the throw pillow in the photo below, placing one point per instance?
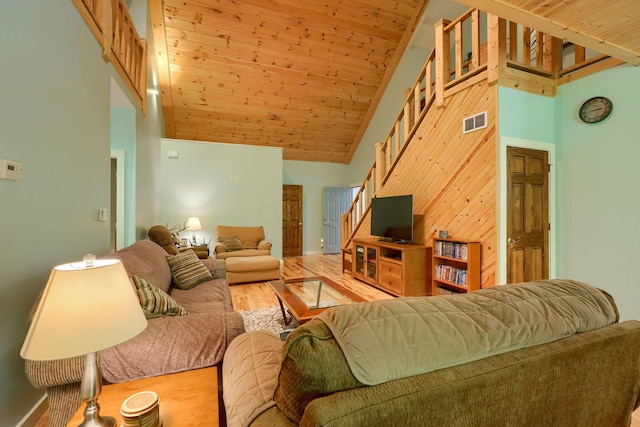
(155, 302)
(187, 270)
(231, 243)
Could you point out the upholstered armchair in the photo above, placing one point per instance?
(234, 241)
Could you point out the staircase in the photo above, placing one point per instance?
(476, 48)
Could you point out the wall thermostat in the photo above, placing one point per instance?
(10, 170)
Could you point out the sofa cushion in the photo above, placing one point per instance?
(313, 365)
(243, 253)
(155, 302)
(167, 345)
(249, 236)
(147, 260)
(207, 297)
(249, 377)
(187, 270)
(254, 263)
(231, 243)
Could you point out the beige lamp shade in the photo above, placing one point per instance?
(85, 307)
(193, 223)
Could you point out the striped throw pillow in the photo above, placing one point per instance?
(187, 270)
(155, 302)
(231, 243)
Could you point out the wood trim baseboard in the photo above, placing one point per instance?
(34, 415)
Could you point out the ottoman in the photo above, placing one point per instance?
(252, 269)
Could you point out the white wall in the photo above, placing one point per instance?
(598, 203)
(222, 184)
(149, 130)
(313, 176)
(387, 112)
(54, 116)
(55, 120)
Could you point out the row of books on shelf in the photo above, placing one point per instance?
(451, 274)
(451, 249)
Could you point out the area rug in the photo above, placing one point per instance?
(266, 319)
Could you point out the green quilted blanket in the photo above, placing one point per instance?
(390, 339)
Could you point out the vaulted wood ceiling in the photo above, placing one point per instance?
(307, 76)
(302, 75)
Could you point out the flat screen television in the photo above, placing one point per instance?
(392, 218)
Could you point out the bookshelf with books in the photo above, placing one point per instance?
(456, 266)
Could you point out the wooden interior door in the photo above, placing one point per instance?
(527, 215)
(291, 220)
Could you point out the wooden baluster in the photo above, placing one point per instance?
(380, 165)
(458, 50)
(475, 40)
(552, 54)
(526, 46)
(442, 61)
(513, 41)
(540, 49)
(580, 54)
(496, 53)
(417, 106)
(407, 120)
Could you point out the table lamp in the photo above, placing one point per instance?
(86, 307)
(193, 223)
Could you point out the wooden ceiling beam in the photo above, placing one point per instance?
(162, 61)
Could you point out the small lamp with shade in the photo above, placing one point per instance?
(85, 307)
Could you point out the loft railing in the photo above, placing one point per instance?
(112, 26)
(474, 46)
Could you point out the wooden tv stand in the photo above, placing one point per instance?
(398, 269)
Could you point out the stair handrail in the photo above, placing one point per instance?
(513, 44)
(111, 24)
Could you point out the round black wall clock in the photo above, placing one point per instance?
(596, 109)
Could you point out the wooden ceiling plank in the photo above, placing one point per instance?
(319, 118)
(220, 119)
(295, 85)
(345, 75)
(287, 58)
(263, 22)
(374, 20)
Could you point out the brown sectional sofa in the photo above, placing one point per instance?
(168, 344)
(548, 353)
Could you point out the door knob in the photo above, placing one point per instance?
(510, 240)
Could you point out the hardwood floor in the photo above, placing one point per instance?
(254, 296)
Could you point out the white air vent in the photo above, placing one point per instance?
(470, 124)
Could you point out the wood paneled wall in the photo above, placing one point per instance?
(453, 176)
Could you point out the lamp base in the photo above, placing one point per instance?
(98, 422)
(92, 417)
(90, 387)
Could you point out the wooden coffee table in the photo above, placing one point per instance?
(307, 297)
(187, 399)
